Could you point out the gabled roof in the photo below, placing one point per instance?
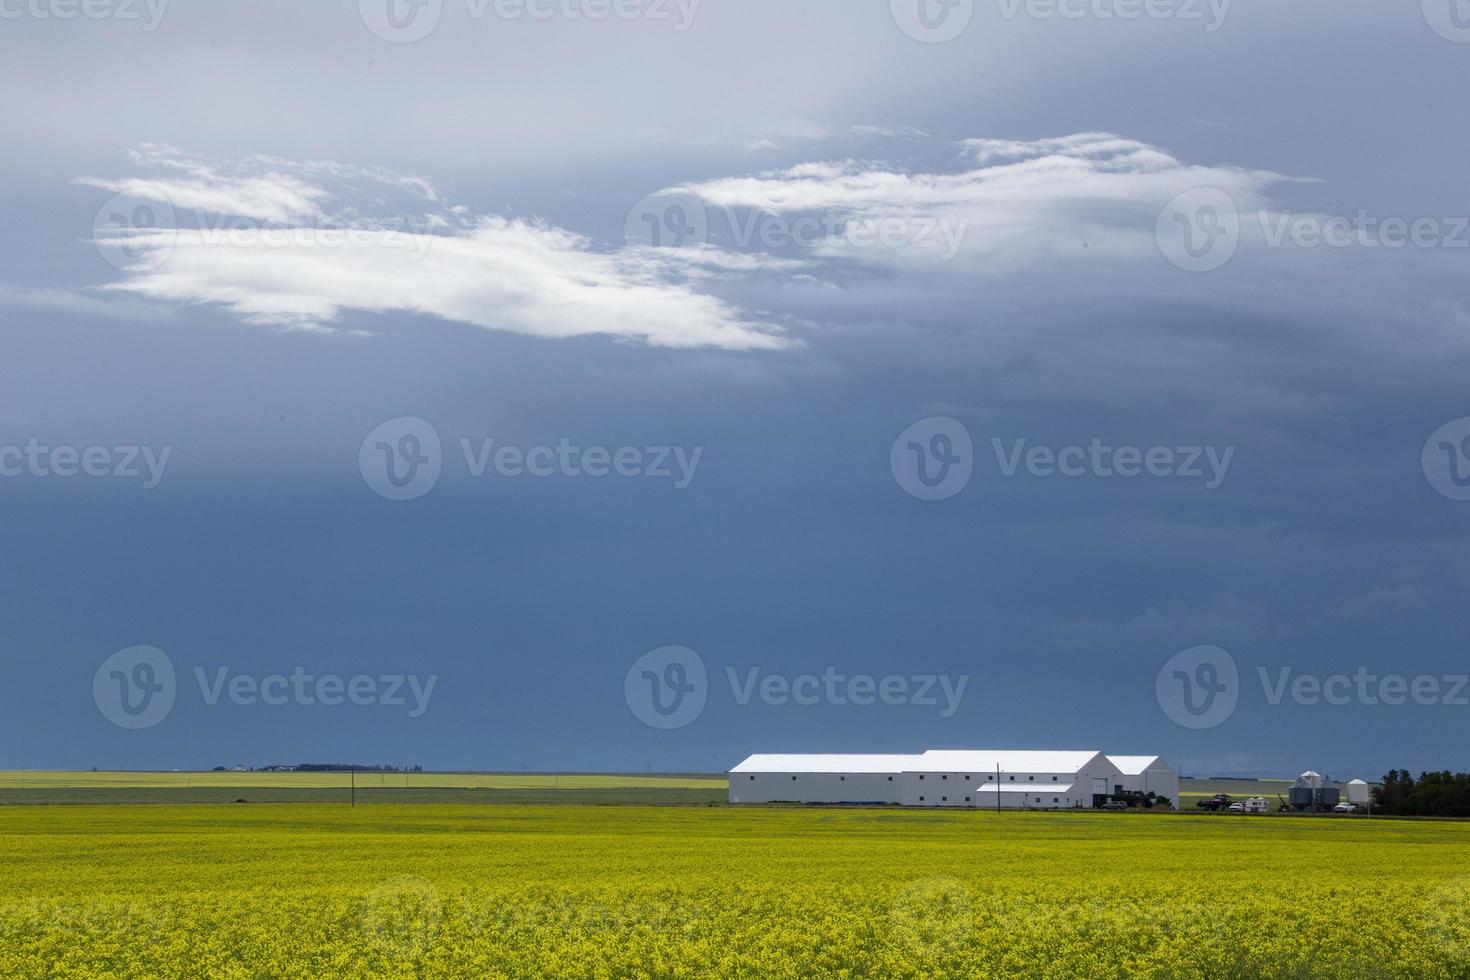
(1040, 789)
(1134, 765)
(986, 760)
(827, 763)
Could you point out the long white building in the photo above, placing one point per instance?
(979, 778)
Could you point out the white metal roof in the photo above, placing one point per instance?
(1133, 765)
(986, 760)
(1040, 789)
(827, 763)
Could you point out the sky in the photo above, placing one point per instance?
(631, 385)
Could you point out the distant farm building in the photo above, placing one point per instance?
(979, 778)
(1148, 774)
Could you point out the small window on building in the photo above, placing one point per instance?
(752, 779)
(967, 799)
(1013, 779)
(1054, 799)
(842, 779)
(945, 776)
(1038, 799)
(1053, 779)
(1031, 779)
(921, 799)
(921, 775)
(793, 779)
(890, 779)
(944, 799)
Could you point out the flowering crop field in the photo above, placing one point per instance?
(528, 891)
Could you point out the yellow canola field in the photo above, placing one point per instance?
(561, 891)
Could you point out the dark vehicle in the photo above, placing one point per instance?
(1217, 802)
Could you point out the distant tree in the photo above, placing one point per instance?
(1434, 794)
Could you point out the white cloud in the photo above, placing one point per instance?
(300, 266)
(1020, 202)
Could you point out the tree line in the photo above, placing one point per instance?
(1433, 794)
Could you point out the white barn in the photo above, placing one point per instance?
(1148, 774)
(819, 779)
(997, 778)
(976, 778)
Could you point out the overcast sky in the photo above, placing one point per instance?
(456, 358)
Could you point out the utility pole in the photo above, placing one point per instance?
(352, 775)
(997, 787)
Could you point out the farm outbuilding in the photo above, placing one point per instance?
(1018, 779)
(1148, 774)
(1357, 791)
(819, 779)
(989, 778)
